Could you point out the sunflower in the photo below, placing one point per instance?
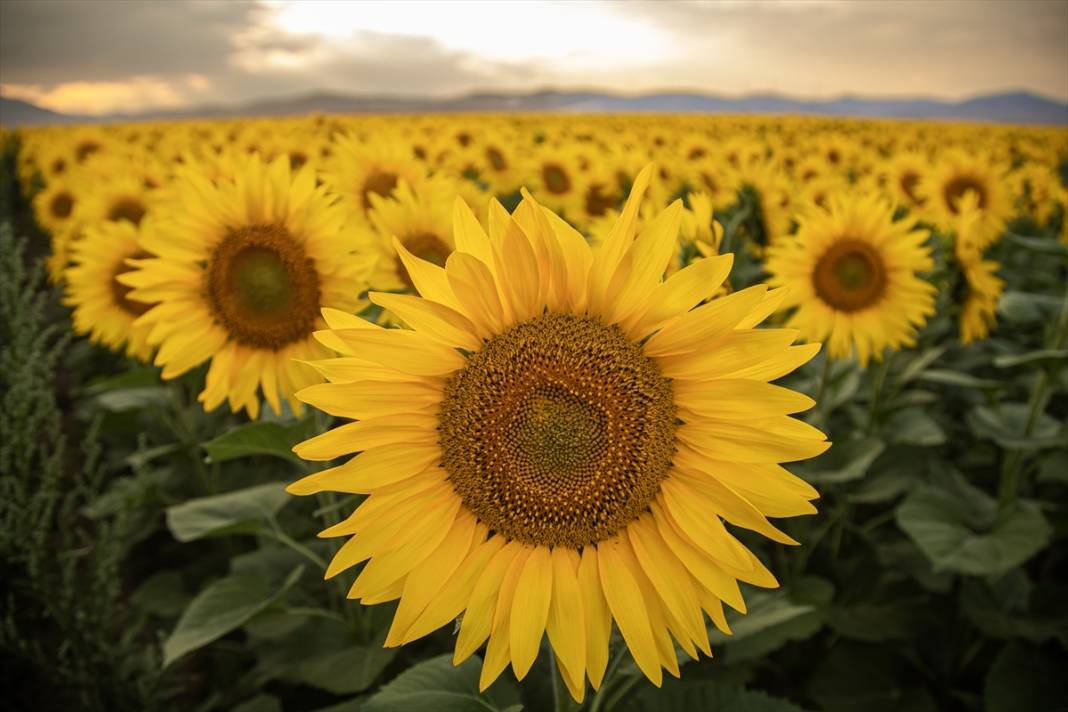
(946, 184)
(852, 272)
(982, 288)
(240, 271)
(559, 182)
(421, 221)
(113, 195)
(54, 205)
(102, 306)
(902, 176)
(356, 170)
(556, 443)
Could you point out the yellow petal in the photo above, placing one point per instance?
(566, 624)
(468, 233)
(628, 608)
(478, 617)
(429, 279)
(476, 291)
(650, 255)
(679, 293)
(610, 253)
(669, 577)
(596, 614)
(727, 355)
(370, 399)
(371, 469)
(404, 350)
(454, 594)
(437, 321)
(530, 610)
(424, 582)
(699, 329)
(728, 504)
(738, 399)
(366, 434)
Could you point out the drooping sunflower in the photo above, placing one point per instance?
(240, 271)
(852, 272)
(981, 287)
(102, 307)
(556, 443)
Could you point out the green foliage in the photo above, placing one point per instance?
(152, 559)
(66, 634)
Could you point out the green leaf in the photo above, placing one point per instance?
(774, 619)
(1043, 356)
(846, 461)
(260, 703)
(1026, 678)
(346, 671)
(919, 363)
(874, 622)
(436, 685)
(873, 678)
(1023, 307)
(1054, 467)
(966, 534)
(263, 438)
(956, 378)
(241, 510)
(690, 695)
(225, 605)
(1006, 423)
(913, 426)
(162, 595)
(134, 398)
(1044, 245)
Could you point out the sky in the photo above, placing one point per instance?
(106, 56)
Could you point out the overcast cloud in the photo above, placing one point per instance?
(96, 56)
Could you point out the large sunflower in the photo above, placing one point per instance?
(852, 272)
(241, 270)
(102, 307)
(557, 442)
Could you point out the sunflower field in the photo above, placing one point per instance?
(545, 413)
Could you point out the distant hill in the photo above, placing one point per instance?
(14, 112)
(1012, 107)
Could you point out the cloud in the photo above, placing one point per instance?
(52, 42)
(947, 48)
(105, 55)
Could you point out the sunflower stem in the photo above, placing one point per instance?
(877, 392)
(1011, 471)
(276, 533)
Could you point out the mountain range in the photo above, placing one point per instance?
(1009, 107)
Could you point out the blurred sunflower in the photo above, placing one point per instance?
(957, 174)
(421, 221)
(113, 195)
(556, 443)
(852, 272)
(240, 271)
(356, 170)
(102, 306)
(54, 205)
(982, 288)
